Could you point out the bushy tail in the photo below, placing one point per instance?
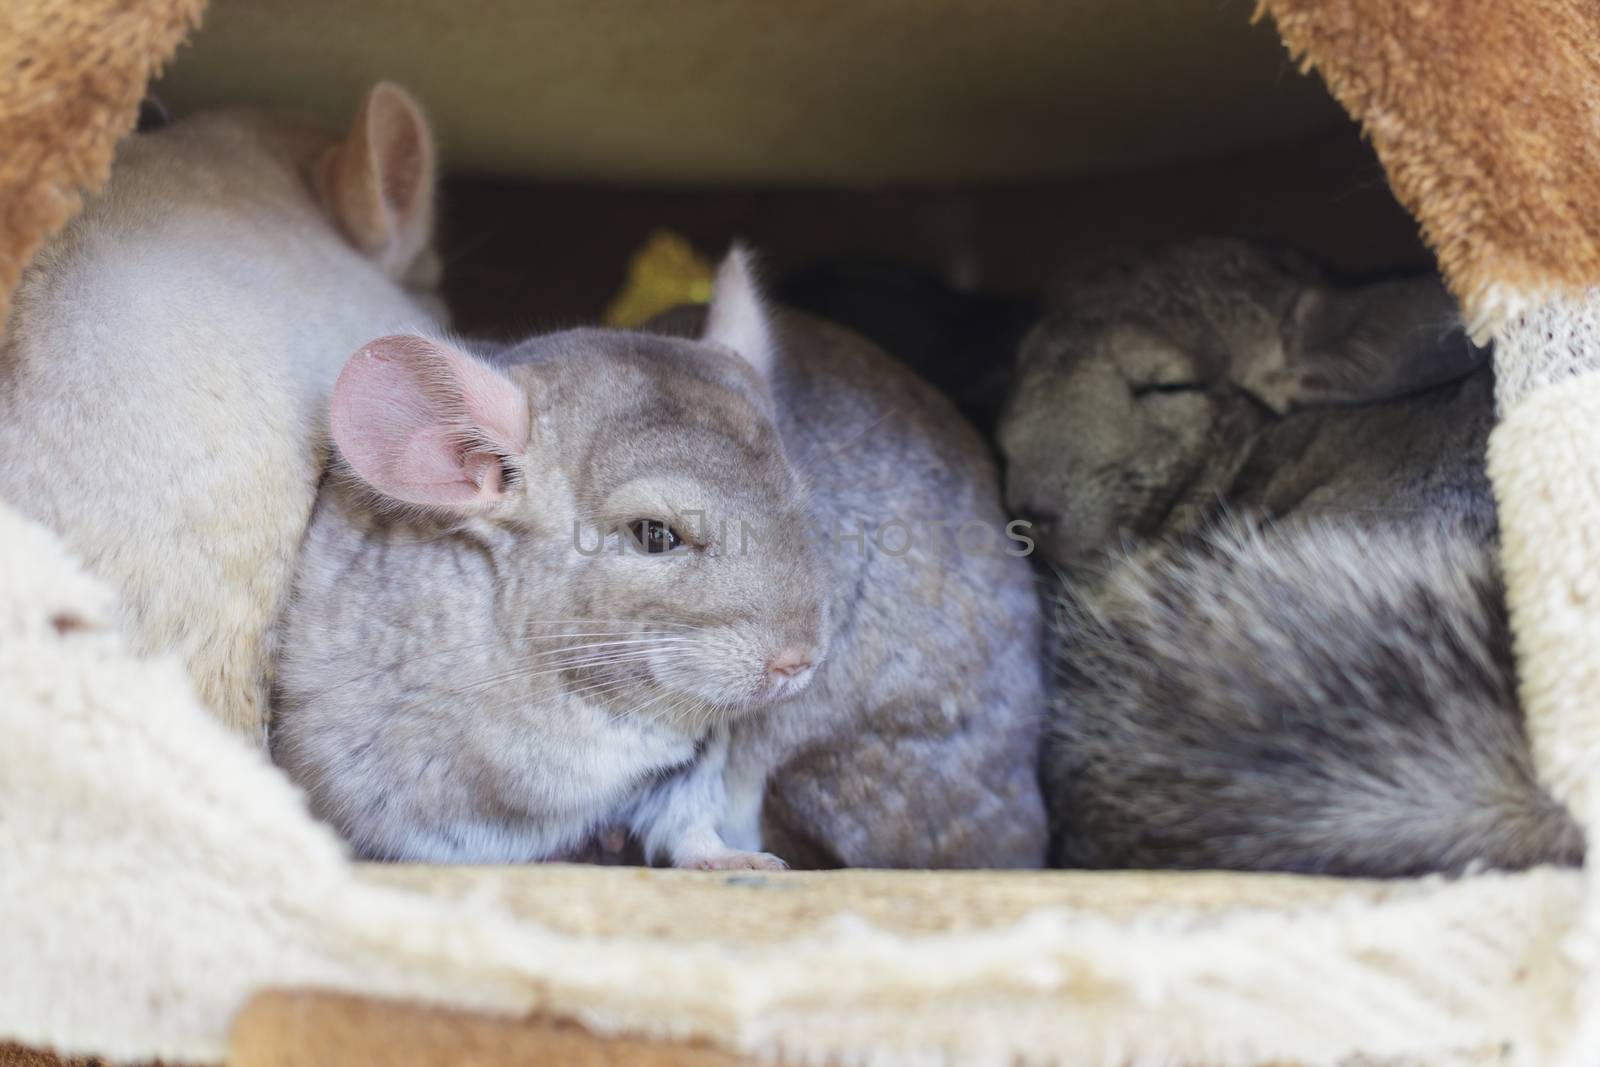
(1316, 697)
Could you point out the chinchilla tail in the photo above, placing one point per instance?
(1318, 697)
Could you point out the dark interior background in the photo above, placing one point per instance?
(528, 255)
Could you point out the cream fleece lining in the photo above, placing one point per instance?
(156, 873)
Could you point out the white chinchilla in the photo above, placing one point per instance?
(169, 355)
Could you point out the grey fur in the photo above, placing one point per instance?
(1334, 693)
(1158, 390)
(917, 747)
(1320, 698)
(411, 703)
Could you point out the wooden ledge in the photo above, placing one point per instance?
(309, 1029)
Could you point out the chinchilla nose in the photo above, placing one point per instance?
(789, 663)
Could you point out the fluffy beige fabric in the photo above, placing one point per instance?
(1544, 460)
(157, 873)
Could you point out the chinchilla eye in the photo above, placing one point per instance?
(654, 536)
(1162, 388)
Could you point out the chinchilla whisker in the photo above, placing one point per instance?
(678, 703)
(666, 712)
(710, 709)
(620, 635)
(595, 691)
(547, 667)
(400, 661)
(633, 709)
(649, 642)
(571, 664)
(595, 621)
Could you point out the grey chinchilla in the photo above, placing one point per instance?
(640, 580)
(1282, 641)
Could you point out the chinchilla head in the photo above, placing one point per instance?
(1145, 388)
(645, 532)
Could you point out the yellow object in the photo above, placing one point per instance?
(665, 272)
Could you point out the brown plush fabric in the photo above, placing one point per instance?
(72, 73)
(1484, 113)
(284, 1029)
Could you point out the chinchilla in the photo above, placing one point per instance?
(1282, 640)
(171, 351)
(719, 582)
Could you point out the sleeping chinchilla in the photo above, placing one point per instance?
(1327, 685)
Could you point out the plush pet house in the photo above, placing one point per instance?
(163, 894)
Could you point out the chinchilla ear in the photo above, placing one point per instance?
(379, 181)
(424, 423)
(738, 319)
(1364, 344)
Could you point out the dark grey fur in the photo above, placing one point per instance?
(1218, 372)
(1319, 697)
(1334, 692)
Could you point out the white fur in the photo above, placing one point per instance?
(737, 319)
(163, 383)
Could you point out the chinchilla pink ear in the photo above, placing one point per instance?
(424, 423)
(378, 181)
(738, 318)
